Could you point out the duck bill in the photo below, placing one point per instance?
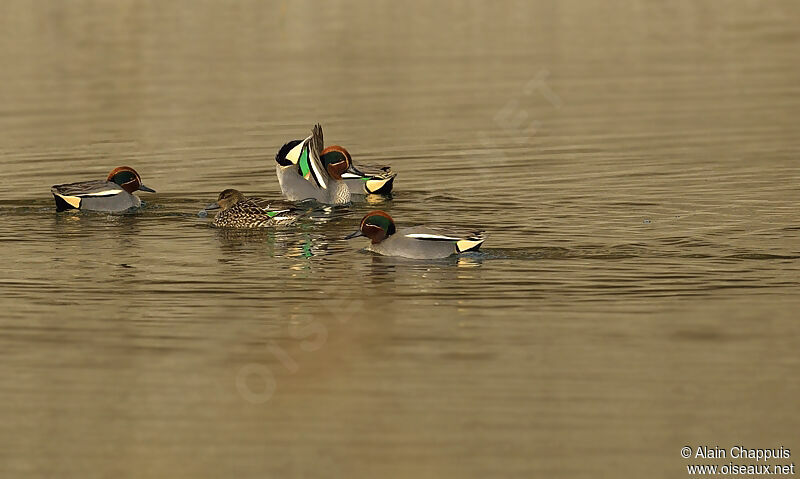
(355, 234)
(354, 171)
(144, 188)
(212, 206)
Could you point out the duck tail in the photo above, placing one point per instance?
(472, 242)
(380, 185)
(63, 203)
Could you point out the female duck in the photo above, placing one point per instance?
(417, 242)
(113, 194)
(239, 211)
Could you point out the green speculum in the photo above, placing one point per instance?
(304, 165)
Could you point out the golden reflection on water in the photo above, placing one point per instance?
(634, 166)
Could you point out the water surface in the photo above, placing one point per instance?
(635, 166)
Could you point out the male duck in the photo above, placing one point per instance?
(306, 170)
(302, 174)
(112, 194)
(239, 211)
(417, 242)
(365, 181)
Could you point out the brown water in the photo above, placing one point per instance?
(635, 165)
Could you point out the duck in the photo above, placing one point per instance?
(113, 194)
(307, 170)
(303, 176)
(240, 211)
(415, 242)
(366, 180)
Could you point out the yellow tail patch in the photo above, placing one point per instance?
(468, 244)
(73, 201)
(375, 185)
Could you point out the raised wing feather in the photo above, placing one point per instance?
(315, 146)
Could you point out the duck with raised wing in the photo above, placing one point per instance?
(239, 211)
(417, 242)
(113, 194)
(302, 174)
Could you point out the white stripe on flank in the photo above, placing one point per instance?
(348, 175)
(102, 193)
(431, 236)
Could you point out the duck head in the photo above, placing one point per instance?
(226, 199)
(376, 225)
(127, 178)
(336, 160)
